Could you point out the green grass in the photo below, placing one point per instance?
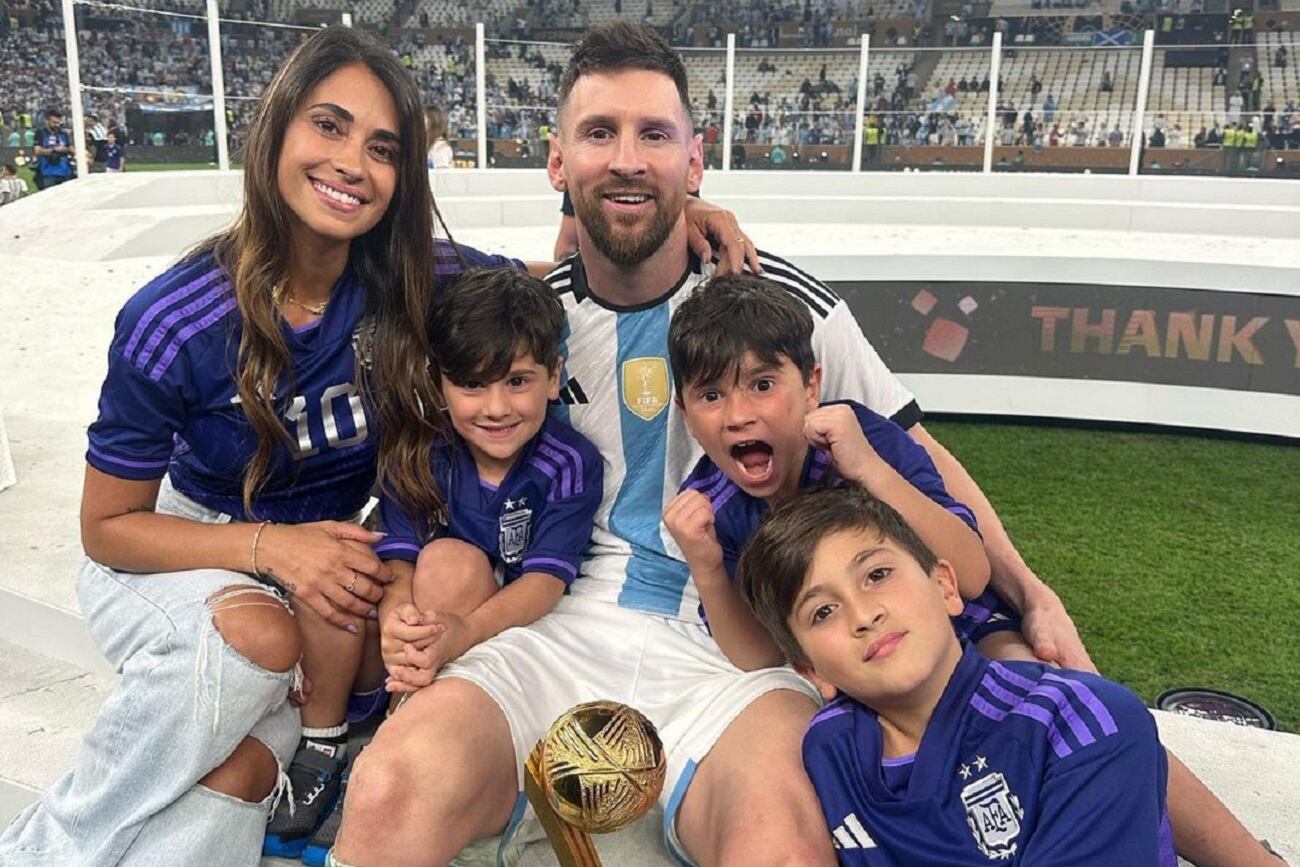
(1178, 557)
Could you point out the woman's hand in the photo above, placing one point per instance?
(328, 566)
(704, 221)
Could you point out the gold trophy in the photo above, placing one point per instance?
(599, 768)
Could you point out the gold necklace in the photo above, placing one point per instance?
(278, 296)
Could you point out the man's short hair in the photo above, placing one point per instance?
(54, 112)
(733, 314)
(775, 562)
(619, 45)
(11, 168)
(486, 318)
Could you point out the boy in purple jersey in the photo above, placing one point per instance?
(521, 488)
(748, 384)
(929, 753)
(519, 493)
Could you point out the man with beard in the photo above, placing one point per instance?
(447, 767)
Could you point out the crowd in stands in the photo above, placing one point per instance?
(784, 99)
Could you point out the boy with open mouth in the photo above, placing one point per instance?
(746, 379)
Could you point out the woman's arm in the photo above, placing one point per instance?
(327, 564)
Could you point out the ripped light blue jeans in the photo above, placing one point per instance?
(185, 701)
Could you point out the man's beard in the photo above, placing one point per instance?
(623, 248)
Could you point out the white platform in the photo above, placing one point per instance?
(71, 256)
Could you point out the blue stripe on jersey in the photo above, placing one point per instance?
(655, 581)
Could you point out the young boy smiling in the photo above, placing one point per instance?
(928, 753)
(521, 489)
(748, 384)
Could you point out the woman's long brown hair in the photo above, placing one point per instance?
(393, 261)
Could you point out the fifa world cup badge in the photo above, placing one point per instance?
(645, 386)
(600, 767)
(993, 813)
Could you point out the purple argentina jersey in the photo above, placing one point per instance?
(169, 404)
(537, 520)
(1021, 764)
(737, 514)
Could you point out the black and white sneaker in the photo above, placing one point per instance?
(316, 777)
(318, 848)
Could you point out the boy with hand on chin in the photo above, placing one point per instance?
(748, 385)
(521, 490)
(928, 753)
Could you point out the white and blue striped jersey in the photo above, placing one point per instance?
(617, 391)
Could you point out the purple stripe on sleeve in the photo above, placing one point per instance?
(186, 333)
(978, 613)
(1044, 716)
(966, 516)
(568, 568)
(574, 454)
(565, 468)
(717, 486)
(1090, 701)
(1068, 713)
(163, 304)
(996, 714)
(996, 690)
(706, 482)
(553, 472)
(1012, 678)
(123, 462)
(723, 497)
(832, 710)
(142, 360)
(385, 547)
(1168, 855)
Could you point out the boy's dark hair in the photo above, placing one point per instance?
(619, 45)
(776, 560)
(489, 316)
(733, 314)
(11, 168)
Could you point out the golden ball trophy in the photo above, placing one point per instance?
(599, 768)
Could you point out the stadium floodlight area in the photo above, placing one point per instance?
(814, 106)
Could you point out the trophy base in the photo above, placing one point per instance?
(573, 848)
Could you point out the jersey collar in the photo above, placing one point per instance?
(934, 764)
(582, 289)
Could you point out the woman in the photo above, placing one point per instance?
(441, 155)
(195, 484)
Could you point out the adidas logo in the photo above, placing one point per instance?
(572, 393)
(851, 835)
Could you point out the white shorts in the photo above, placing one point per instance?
(584, 650)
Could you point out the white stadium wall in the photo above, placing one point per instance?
(1162, 300)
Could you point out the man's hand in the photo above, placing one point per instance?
(1052, 634)
(836, 429)
(690, 520)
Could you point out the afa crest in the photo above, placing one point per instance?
(993, 813)
(515, 525)
(645, 386)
